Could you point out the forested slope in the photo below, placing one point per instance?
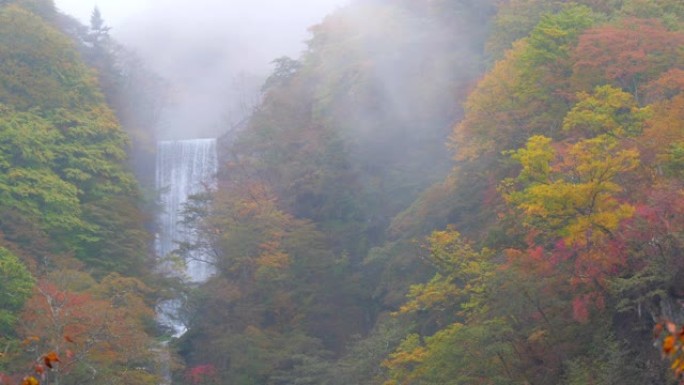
(573, 249)
(558, 218)
(435, 192)
(346, 137)
(72, 239)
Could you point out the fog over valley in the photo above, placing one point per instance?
(215, 54)
(342, 192)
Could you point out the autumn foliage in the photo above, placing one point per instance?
(350, 246)
(584, 141)
(72, 231)
(628, 54)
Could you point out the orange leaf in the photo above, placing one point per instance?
(39, 369)
(69, 339)
(668, 344)
(50, 358)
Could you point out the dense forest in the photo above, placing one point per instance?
(77, 295)
(435, 192)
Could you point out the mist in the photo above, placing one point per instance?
(214, 54)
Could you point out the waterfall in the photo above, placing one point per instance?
(183, 168)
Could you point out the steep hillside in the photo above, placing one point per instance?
(71, 232)
(346, 137)
(436, 192)
(558, 218)
(567, 165)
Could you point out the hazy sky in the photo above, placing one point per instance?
(272, 20)
(203, 46)
(117, 10)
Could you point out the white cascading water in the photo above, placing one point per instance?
(184, 168)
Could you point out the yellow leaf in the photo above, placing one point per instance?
(30, 380)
